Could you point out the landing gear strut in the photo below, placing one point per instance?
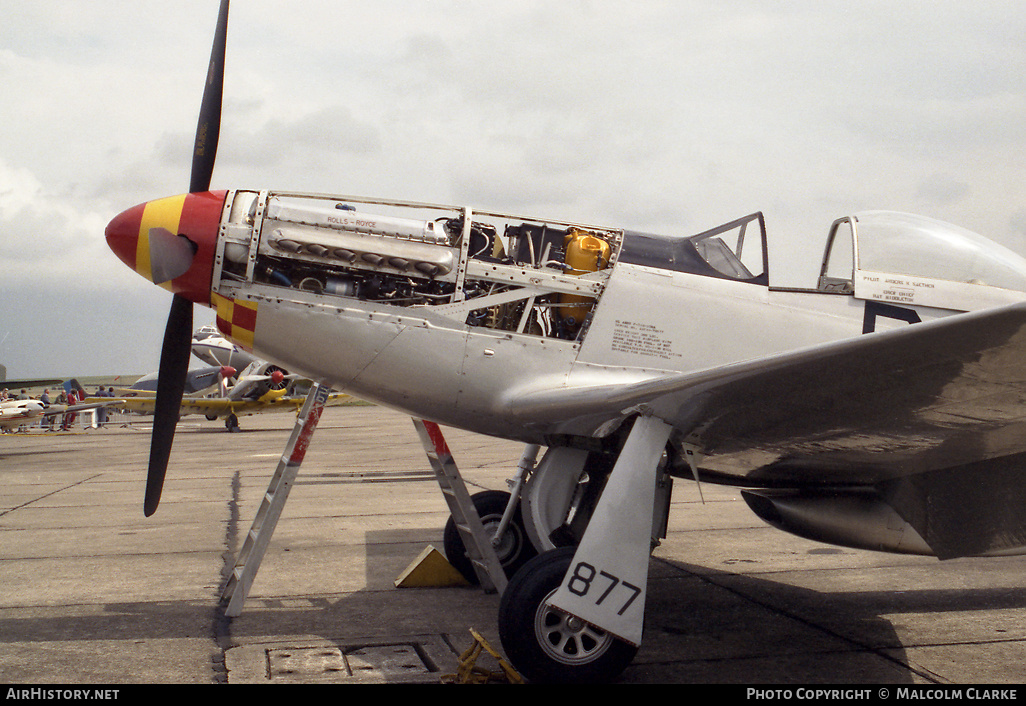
(576, 614)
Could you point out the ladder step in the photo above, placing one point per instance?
(478, 545)
(248, 561)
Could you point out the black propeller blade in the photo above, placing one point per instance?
(208, 129)
(174, 366)
(174, 356)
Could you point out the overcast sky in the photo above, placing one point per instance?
(660, 116)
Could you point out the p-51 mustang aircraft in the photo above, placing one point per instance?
(881, 407)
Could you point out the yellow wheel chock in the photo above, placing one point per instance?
(469, 672)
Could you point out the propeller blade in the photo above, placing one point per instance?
(208, 128)
(174, 356)
(174, 365)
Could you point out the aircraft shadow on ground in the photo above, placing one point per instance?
(753, 629)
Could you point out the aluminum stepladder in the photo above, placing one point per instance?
(477, 542)
(252, 553)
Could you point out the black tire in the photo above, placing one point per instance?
(515, 549)
(546, 645)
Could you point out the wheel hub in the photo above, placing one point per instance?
(567, 639)
(509, 543)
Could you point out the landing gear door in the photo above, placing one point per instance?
(837, 273)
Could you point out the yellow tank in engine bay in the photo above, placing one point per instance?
(584, 253)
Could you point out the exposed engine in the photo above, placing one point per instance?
(494, 271)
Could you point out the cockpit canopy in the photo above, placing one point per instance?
(904, 258)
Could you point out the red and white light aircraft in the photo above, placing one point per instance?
(881, 408)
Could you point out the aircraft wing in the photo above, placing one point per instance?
(266, 403)
(881, 405)
(29, 382)
(211, 406)
(221, 406)
(930, 417)
(84, 406)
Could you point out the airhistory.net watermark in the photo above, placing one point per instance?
(57, 694)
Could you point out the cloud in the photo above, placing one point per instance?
(48, 238)
(943, 189)
(322, 135)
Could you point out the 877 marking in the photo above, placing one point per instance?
(583, 579)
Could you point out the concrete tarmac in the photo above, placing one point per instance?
(95, 593)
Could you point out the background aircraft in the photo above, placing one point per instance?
(19, 413)
(219, 392)
(210, 346)
(25, 382)
(197, 381)
(880, 407)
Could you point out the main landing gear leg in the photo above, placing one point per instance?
(577, 615)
